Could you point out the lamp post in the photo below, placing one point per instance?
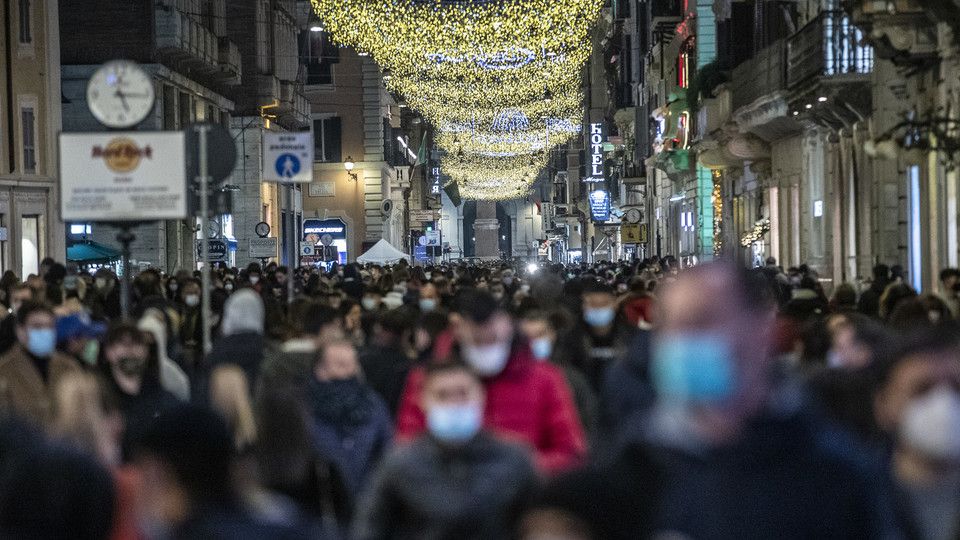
(349, 165)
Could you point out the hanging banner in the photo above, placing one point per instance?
(123, 176)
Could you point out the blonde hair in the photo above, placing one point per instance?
(230, 396)
(80, 417)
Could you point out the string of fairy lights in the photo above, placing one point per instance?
(500, 80)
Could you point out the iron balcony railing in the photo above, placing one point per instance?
(829, 45)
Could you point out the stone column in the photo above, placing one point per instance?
(485, 230)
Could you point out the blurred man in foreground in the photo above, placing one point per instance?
(743, 457)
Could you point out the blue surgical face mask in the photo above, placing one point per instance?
(41, 341)
(428, 304)
(693, 368)
(455, 424)
(541, 348)
(599, 317)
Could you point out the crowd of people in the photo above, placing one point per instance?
(615, 400)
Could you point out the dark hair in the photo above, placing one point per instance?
(476, 305)
(398, 320)
(749, 286)
(922, 340)
(29, 308)
(948, 273)
(124, 331)
(919, 311)
(318, 315)
(197, 445)
(595, 286)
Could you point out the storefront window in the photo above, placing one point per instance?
(326, 250)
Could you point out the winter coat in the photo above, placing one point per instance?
(23, 390)
(528, 401)
(245, 350)
(386, 369)
(790, 475)
(425, 491)
(354, 437)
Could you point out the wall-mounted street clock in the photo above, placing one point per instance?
(120, 94)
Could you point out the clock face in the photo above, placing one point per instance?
(120, 94)
(633, 215)
(263, 229)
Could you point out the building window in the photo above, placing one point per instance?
(30, 245)
(26, 35)
(29, 142)
(318, 53)
(326, 137)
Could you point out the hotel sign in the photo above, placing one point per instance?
(595, 168)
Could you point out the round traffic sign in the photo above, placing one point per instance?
(326, 240)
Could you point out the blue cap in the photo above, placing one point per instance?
(78, 326)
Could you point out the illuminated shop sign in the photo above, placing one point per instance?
(600, 205)
(595, 167)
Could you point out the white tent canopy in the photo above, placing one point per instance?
(382, 253)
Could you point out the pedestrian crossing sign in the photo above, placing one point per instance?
(287, 157)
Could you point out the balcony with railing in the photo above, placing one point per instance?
(760, 76)
(828, 46)
(181, 38)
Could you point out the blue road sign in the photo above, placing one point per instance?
(287, 165)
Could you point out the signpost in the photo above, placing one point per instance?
(123, 176)
(263, 248)
(217, 250)
(288, 157)
(630, 233)
(418, 216)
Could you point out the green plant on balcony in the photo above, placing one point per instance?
(703, 83)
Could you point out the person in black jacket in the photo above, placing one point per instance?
(385, 362)
(49, 490)
(185, 456)
(456, 481)
(918, 409)
(743, 455)
(242, 341)
(131, 376)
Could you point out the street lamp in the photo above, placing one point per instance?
(349, 165)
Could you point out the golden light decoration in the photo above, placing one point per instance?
(500, 80)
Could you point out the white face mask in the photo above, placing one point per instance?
(191, 300)
(931, 424)
(368, 303)
(254, 279)
(488, 360)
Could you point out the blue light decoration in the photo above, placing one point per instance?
(600, 205)
(510, 120)
(562, 125)
(511, 58)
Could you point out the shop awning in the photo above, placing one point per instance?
(91, 252)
